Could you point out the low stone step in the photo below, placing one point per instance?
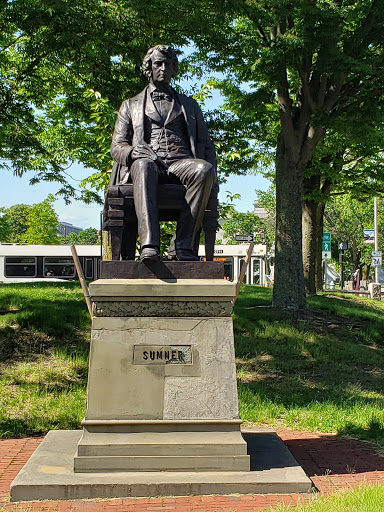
(162, 444)
(92, 464)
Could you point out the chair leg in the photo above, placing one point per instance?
(128, 247)
(116, 239)
(209, 238)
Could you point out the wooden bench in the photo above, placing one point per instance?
(119, 217)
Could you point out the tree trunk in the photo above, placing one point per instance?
(313, 221)
(319, 260)
(288, 290)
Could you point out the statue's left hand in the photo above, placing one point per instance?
(141, 151)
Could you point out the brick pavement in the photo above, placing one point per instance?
(332, 463)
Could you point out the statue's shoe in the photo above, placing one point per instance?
(150, 254)
(186, 255)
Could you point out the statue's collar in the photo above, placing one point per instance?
(152, 87)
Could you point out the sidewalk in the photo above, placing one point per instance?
(332, 464)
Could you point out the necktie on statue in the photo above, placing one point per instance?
(160, 95)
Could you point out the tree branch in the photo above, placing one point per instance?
(263, 34)
(305, 85)
(334, 89)
(13, 42)
(285, 108)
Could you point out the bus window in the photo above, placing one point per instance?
(228, 268)
(256, 271)
(20, 267)
(88, 269)
(59, 267)
(241, 263)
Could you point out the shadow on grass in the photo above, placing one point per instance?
(373, 432)
(39, 317)
(13, 428)
(318, 369)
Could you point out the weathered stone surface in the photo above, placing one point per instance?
(128, 289)
(204, 389)
(213, 394)
(162, 308)
(49, 474)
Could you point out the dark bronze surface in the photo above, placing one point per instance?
(162, 270)
(160, 137)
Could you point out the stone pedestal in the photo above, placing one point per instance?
(162, 392)
(162, 412)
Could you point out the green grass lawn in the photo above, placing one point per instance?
(367, 498)
(321, 370)
(43, 357)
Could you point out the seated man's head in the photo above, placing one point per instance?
(160, 65)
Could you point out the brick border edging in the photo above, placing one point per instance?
(331, 462)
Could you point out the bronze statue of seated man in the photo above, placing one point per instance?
(160, 137)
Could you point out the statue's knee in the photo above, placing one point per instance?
(205, 171)
(143, 166)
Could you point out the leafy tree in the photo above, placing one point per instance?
(4, 227)
(42, 223)
(56, 58)
(349, 160)
(243, 224)
(306, 64)
(89, 236)
(16, 217)
(346, 218)
(267, 200)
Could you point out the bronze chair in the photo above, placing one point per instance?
(119, 217)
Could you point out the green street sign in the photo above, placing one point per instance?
(326, 237)
(326, 244)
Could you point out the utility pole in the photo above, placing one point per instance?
(376, 236)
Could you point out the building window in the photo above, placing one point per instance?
(20, 267)
(59, 267)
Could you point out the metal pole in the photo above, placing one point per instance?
(325, 272)
(342, 268)
(80, 273)
(376, 236)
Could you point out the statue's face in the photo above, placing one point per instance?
(162, 69)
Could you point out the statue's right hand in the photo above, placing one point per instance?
(141, 151)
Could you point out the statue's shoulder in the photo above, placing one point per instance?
(138, 98)
(188, 101)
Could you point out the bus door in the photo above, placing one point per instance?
(246, 277)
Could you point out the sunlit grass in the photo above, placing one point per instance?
(320, 371)
(367, 498)
(43, 357)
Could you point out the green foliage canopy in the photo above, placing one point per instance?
(42, 223)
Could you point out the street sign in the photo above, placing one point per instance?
(326, 245)
(244, 238)
(326, 255)
(376, 259)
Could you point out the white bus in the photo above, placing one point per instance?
(26, 263)
(233, 256)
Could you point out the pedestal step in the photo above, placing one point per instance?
(161, 451)
(162, 444)
(163, 463)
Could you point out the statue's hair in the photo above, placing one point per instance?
(168, 51)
